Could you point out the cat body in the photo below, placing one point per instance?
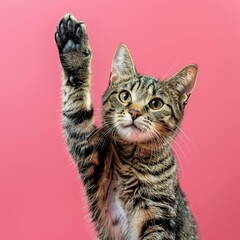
(127, 165)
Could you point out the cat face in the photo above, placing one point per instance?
(138, 108)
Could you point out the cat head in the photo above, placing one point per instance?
(138, 108)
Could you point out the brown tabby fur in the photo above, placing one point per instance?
(127, 166)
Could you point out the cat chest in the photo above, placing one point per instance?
(117, 219)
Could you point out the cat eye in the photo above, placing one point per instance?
(155, 104)
(125, 96)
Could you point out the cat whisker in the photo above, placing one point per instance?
(174, 141)
(175, 152)
(101, 140)
(186, 136)
(170, 69)
(179, 135)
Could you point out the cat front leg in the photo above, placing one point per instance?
(158, 235)
(75, 56)
(84, 140)
(157, 229)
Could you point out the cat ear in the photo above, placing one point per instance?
(184, 81)
(122, 65)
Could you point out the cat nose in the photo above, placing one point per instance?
(134, 113)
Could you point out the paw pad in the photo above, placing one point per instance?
(71, 36)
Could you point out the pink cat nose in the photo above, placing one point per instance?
(134, 113)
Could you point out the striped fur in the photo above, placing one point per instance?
(127, 166)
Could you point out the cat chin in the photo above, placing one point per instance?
(133, 134)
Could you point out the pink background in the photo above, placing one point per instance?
(41, 196)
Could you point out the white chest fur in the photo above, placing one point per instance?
(117, 220)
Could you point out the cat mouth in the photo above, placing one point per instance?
(133, 132)
(132, 125)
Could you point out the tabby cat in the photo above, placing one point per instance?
(127, 165)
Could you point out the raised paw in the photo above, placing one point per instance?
(71, 36)
(74, 50)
